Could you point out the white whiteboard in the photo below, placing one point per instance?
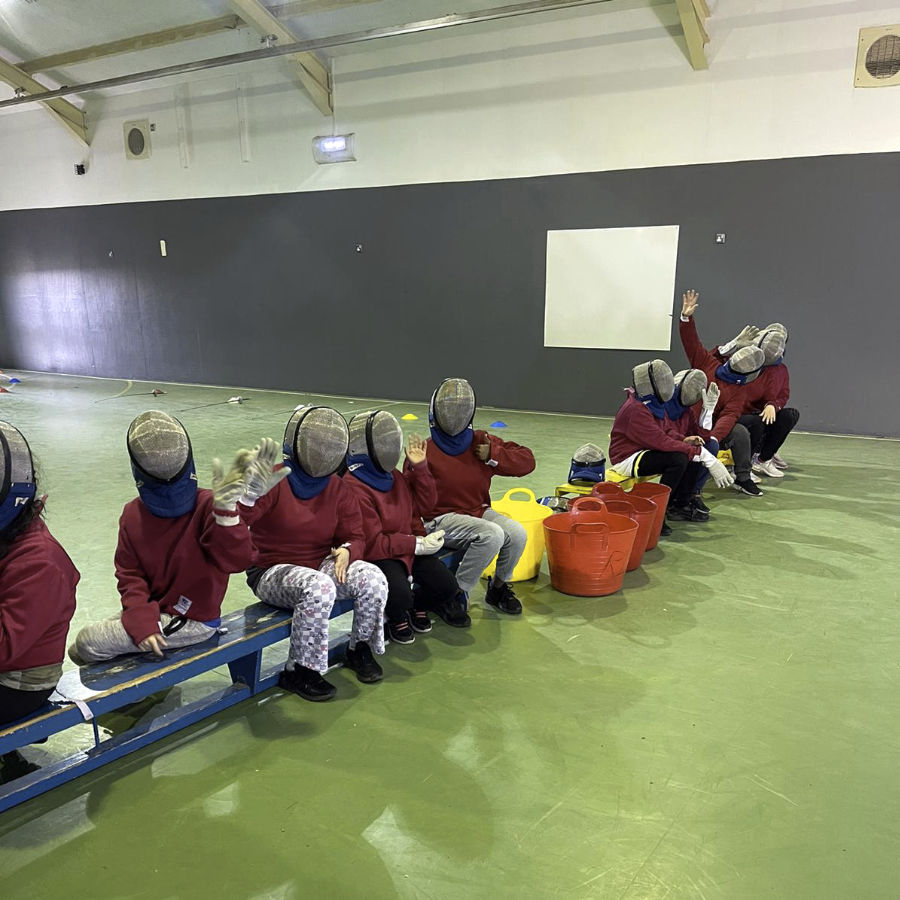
(610, 288)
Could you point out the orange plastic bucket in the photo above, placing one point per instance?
(607, 490)
(588, 550)
(643, 512)
(659, 494)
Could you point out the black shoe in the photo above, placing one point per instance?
(361, 661)
(697, 503)
(420, 621)
(400, 632)
(666, 530)
(502, 598)
(453, 612)
(13, 765)
(307, 684)
(687, 513)
(747, 487)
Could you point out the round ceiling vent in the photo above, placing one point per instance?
(883, 57)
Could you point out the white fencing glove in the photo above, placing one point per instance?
(429, 544)
(745, 338)
(227, 490)
(262, 475)
(722, 477)
(710, 398)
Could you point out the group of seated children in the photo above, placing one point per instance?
(329, 516)
(734, 398)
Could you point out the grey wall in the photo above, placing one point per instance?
(269, 291)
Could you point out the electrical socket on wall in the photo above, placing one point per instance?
(720, 237)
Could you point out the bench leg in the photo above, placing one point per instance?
(246, 669)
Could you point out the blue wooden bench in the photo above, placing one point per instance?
(85, 693)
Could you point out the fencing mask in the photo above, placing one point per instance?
(450, 415)
(162, 463)
(689, 386)
(743, 367)
(588, 465)
(376, 442)
(772, 345)
(315, 444)
(17, 471)
(654, 385)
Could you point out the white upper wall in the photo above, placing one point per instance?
(608, 88)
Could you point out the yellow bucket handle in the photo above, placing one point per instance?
(530, 493)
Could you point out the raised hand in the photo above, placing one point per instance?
(690, 300)
(263, 471)
(710, 397)
(416, 450)
(228, 487)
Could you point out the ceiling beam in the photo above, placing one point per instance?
(308, 70)
(693, 13)
(64, 112)
(176, 35)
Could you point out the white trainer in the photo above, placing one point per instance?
(754, 477)
(768, 468)
(782, 464)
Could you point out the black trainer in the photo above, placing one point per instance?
(400, 632)
(453, 612)
(697, 502)
(502, 597)
(748, 487)
(421, 623)
(13, 765)
(687, 513)
(361, 661)
(666, 530)
(307, 684)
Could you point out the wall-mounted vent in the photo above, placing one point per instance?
(878, 57)
(137, 139)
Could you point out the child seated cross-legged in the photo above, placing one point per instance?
(392, 504)
(177, 543)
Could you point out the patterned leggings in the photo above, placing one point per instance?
(311, 594)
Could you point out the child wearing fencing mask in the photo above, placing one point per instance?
(642, 441)
(177, 543)
(37, 594)
(310, 547)
(463, 462)
(391, 503)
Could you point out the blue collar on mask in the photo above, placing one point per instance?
(168, 500)
(304, 486)
(360, 466)
(674, 409)
(655, 405)
(452, 445)
(777, 362)
(724, 373)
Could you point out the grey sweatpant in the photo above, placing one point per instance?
(108, 638)
(482, 539)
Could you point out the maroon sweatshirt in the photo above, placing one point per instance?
(392, 519)
(160, 560)
(775, 389)
(37, 600)
(734, 399)
(286, 529)
(635, 428)
(464, 481)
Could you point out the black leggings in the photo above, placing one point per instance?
(435, 584)
(676, 470)
(16, 704)
(767, 439)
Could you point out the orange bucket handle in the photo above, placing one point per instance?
(586, 503)
(592, 527)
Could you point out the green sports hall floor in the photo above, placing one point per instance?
(727, 726)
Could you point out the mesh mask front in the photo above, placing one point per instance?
(377, 435)
(689, 386)
(654, 377)
(159, 445)
(318, 438)
(453, 406)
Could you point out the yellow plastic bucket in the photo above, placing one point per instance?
(530, 515)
